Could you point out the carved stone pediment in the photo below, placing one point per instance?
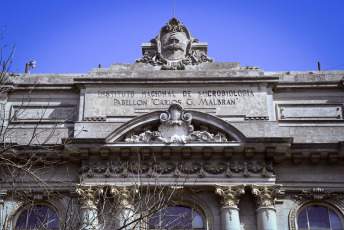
(175, 127)
(173, 48)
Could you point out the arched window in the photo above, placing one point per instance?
(37, 217)
(318, 217)
(177, 217)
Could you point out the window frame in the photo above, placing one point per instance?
(22, 208)
(187, 205)
(322, 204)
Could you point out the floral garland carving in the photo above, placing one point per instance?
(202, 169)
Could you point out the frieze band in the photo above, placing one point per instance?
(202, 169)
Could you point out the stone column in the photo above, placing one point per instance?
(266, 212)
(89, 197)
(125, 212)
(3, 210)
(229, 198)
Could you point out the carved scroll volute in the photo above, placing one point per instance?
(123, 194)
(88, 195)
(175, 123)
(229, 195)
(266, 195)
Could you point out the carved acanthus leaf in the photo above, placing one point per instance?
(266, 195)
(124, 195)
(229, 195)
(89, 195)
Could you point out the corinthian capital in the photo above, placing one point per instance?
(229, 195)
(89, 195)
(266, 195)
(124, 195)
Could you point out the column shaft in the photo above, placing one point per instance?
(229, 200)
(266, 212)
(230, 218)
(89, 215)
(266, 218)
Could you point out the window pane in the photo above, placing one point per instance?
(198, 222)
(155, 220)
(318, 218)
(37, 217)
(177, 217)
(302, 220)
(335, 221)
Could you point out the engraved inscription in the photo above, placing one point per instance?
(130, 101)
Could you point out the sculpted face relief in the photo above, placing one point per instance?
(173, 45)
(174, 48)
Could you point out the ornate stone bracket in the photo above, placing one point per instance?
(176, 127)
(174, 48)
(89, 195)
(266, 195)
(229, 195)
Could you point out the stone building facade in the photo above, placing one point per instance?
(234, 146)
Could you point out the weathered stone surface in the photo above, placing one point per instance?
(174, 48)
(220, 100)
(180, 120)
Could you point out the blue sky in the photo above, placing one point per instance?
(74, 36)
